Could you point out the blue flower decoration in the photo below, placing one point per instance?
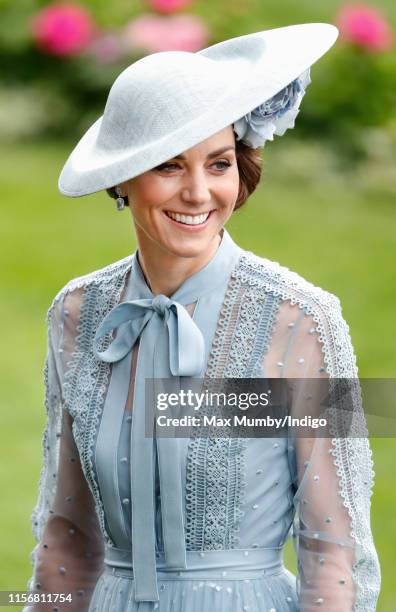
(274, 116)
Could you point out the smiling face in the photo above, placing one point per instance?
(179, 207)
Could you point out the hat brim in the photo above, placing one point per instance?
(288, 52)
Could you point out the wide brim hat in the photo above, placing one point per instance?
(167, 102)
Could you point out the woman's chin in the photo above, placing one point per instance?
(191, 246)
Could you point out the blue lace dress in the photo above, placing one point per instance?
(134, 523)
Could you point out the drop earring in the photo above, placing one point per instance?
(120, 202)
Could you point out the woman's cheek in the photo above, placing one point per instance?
(156, 185)
(231, 183)
(230, 190)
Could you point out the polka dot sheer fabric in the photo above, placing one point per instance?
(70, 551)
(242, 498)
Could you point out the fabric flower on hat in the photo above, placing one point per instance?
(274, 116)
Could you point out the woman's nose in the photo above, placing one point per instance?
(195, 189)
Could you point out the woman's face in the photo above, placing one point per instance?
(181, 205)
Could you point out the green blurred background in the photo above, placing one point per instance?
(326, 208)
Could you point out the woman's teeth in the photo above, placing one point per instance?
(188, 219)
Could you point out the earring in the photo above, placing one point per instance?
(120, 202)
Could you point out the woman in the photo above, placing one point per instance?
(133, 521)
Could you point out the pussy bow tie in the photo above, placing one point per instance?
(170, 344)
(186, 343)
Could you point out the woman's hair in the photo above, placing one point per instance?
(249, 166)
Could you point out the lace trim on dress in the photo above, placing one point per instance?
(86, 379)
(215, 466)
(216, 475)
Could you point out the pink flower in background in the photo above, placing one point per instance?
(365, 26)
(169, 6)
(63, 29)
(154, 33)
(106, 48)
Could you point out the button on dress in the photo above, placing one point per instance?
(132, 522)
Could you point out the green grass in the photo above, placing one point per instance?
(329, 228)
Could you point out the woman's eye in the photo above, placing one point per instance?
(167, 167)
(170, 167)
(222, 164)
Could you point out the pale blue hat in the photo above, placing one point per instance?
(167, 102)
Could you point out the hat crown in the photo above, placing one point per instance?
(248, 48)
(159, 90)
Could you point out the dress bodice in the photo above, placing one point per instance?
(268, 506)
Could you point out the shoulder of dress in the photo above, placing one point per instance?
(107, 276)
(272, 277)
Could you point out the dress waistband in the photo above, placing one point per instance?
(230, 563)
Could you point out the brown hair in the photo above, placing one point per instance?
(249, 166)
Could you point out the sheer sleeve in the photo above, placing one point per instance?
(338, 568)
(68, 556)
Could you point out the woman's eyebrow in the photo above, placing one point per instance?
(210, 155)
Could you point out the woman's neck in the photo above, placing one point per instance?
(165, 272)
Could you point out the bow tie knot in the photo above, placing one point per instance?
(186, 343)
(161, 303)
